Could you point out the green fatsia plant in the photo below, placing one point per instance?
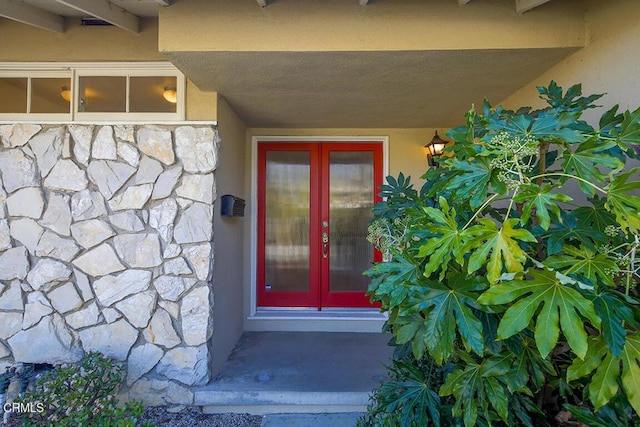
(517, 262)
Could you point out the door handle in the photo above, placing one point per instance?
(325, 245)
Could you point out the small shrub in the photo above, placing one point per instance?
(81, 395)
(410, 396)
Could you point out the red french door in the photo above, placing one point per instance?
(314, 207)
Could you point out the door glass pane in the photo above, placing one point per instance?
(13, 95)
(47, 95)
(100, 94)
(152, 94)
(287, 208)
(350, 211)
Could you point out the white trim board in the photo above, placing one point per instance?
(111, 123)
(120, 66)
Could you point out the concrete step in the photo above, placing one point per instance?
(271, 402)
(293, 372)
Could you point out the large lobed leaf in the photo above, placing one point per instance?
(585, 263)
(562, 307)
(392, 281)
(410, 397)
(622, 202)
(615, 310)
(447, 240)
(556, 127)
(529, 369)
(628, 136)
(446, 309)
(473, 181)
(479, 387)
(571, 230)
(541, 200)
(631, 370)
(514, 124)
(595, 217)
(485, 238)
(571, 101)
(399, 195)
(584, 162)
(603, 386)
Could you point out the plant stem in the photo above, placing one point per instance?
(544, 175)
(513, 196)
(480, 209)
(632, 259)
(542, 166)
(542, 162)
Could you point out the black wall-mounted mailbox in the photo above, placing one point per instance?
(232, 206)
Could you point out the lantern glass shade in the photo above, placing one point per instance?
(435, 147)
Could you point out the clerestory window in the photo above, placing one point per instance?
(91, 92)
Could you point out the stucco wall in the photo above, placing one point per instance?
(339, 25)
(79, 43)
(609, 63)
(227, 278)
(106, 244)
(200, 105)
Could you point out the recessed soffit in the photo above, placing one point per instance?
(363, 89)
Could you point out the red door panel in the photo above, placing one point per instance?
(288, 273)
(314, 205)
(351, 175)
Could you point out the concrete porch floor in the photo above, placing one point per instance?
(310, 372)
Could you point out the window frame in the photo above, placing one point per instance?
(35, 75)
(74, 71)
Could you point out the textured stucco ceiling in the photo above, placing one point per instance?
(363, 89)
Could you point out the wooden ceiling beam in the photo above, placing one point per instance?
(31, 15)
(107, 11)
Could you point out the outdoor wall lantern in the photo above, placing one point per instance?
(434, 150)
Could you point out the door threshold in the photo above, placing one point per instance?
(312, 320)
(309, 313)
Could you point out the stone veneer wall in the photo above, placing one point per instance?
(106, 244)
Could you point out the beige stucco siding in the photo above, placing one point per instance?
(229, 237)
(201, 105)
(610, 63)
(339, 25)
(79, 43)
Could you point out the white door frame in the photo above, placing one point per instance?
(254, 196)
